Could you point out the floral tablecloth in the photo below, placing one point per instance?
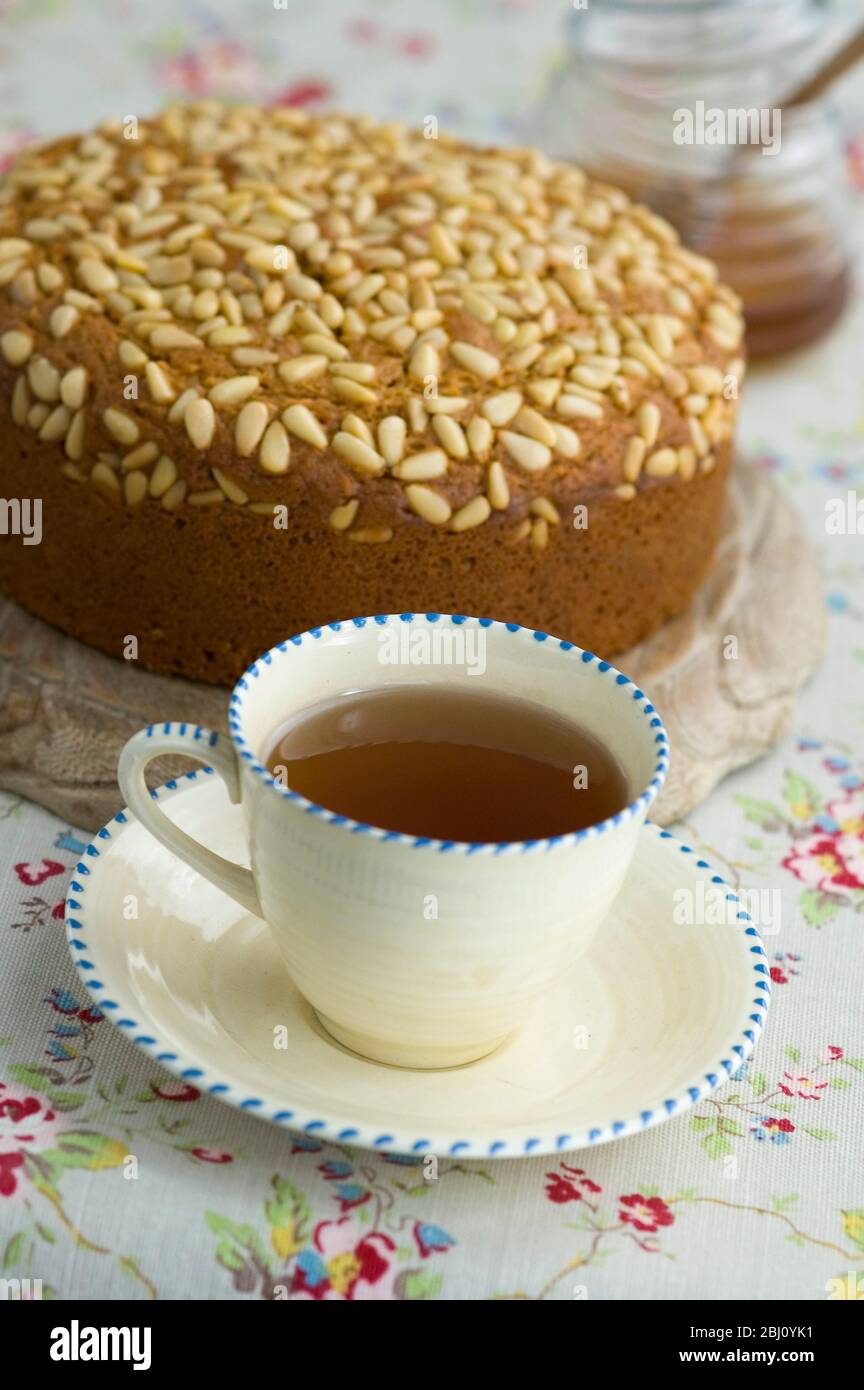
(757, 1193)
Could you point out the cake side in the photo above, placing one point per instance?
(352, 362)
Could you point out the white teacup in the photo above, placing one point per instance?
(415, 952)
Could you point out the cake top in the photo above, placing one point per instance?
(207, 305)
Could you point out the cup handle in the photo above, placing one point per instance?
(218, 754)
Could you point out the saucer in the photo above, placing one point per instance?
(656, 1016)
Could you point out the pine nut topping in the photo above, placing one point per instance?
(231, 489)
(121, 426)
(44, 379)
(572, 406)
(249, 427)
(476, 360)
(63, 319)
(275, 452)
(163, 477)
(451, 435)
(299, 420)
(352, 286)
(474, 513)
(431, 463)
(634, 457)
(341, 517)
(302, 368)
(200, 421)
(158, 384)
(167, 337)
(530, 454)
(648, 418)
(497, 488)
(430, 505)
(73, 387)
(500, 410)
(140, 457)
(391, 438)
(480, 436)
(234, 390)
(356, 452)
(16, 347)
(662, 464)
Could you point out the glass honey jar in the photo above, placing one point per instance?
(679, 102)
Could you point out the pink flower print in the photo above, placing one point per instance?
(804, 1087)
(830, 862)
(27, 1124)
(344, 1262)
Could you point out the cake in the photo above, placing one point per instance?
(266, 370)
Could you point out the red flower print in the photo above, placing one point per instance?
(27, 1125)
(832, 861)
(212, 1156)
(645, 1213)
(784, 966)
(34, 874)
(569, 1188)
(833, 1054)
(342, 1264)
(17, 1110)
(784, 1126)
(220, 67)
(848, 812)
(58, 911)
(175, 1093)
(417, 45)
(304, 93)
(804, 1087)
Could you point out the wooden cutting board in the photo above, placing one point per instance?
(66, 710)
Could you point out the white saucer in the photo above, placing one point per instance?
(656, 1016)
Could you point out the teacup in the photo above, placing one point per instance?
(349, 904)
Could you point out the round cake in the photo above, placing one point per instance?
(264, 371)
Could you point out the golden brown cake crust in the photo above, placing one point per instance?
(266, 371)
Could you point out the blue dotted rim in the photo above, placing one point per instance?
(329, 1127)
(616, 680)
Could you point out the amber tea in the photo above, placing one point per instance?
(451, 764)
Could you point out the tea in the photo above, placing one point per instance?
(451, 764)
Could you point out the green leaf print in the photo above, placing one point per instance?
(716, 1146)
(14, 1249)
(420, 1284)
(289, 1208)
(818, 907)
(819, 1133)
(37, 1078)
(759, 1083)
(83, 1149)
(762, 813)
(65, 1100)
(803, 798)
(235, 1243)
(701, 1122)
(781, 1203)
(793, 1053)
(726, 1126)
